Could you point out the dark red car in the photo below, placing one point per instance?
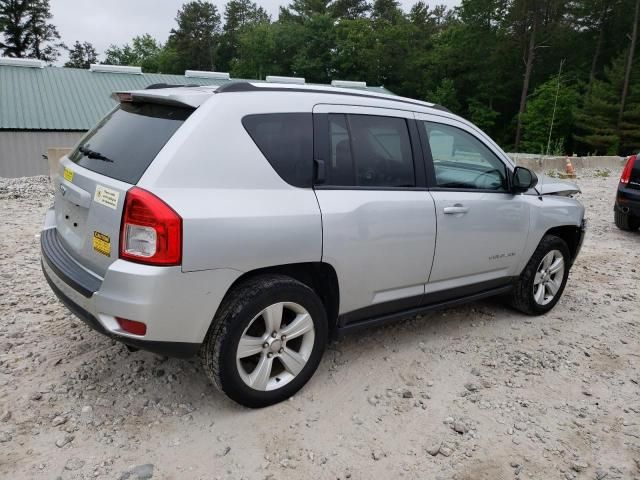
(627, 207)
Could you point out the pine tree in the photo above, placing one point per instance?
(82, 55)
(25, 30)
(239, 15)
(596, 122)
(13, 27)
(195, 40)
(44, 37)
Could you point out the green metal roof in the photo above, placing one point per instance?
(57, 98)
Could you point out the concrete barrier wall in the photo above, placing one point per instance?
(542, 164)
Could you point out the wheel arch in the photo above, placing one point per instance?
(571, 234)
(321, 277)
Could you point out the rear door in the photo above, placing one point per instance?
(94, 179)
(378, 219)
(482, 226)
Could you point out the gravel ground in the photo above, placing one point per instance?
(475, 392)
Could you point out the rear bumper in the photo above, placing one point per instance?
(171, 349)
(628, 200)
(177, 307)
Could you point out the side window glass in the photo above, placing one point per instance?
(461, 161)
(340, 169)
(369, 151)
(286, 140)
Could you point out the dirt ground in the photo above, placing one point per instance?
(475, 392)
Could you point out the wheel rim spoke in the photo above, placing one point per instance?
(553, 287)
(293, 362)
(547, 260)
(273, 317)
(539, 293)
(248, 346)
(300, 325)
(259, 378)
(538, 278)
(556, 266)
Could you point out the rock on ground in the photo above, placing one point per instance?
(551, 397)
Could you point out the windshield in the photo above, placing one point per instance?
(125, 142)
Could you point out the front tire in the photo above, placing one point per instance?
(542, 282)
(266, 340)
(625, 221)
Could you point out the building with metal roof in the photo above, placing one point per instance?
(44, 107)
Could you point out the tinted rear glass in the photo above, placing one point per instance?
(125, 142)
(286, 140)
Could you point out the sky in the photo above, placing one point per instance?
(106, 22)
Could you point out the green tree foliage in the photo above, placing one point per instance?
(596, 123)
(239, 15)
(195, 41)
(553, 95)
(494, 62)
(81, 55)
(26, 30)
(144, 52)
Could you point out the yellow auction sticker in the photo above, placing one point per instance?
(102, 243)
(68, 175)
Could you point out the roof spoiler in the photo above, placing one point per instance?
(166, 94)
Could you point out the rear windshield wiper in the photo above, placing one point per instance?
(93, 154)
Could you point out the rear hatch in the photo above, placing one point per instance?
(94, 179)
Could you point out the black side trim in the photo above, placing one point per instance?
(248, 87)
(381, 320)
(170, 349)
(64, 266)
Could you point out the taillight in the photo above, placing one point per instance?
(626, 173)
(151, 231)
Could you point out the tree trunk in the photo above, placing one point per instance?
(531, 53)
(627, 73)
(596, 55)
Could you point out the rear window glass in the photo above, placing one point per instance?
(125, 142)
(286, 140)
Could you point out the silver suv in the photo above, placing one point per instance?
(252, 222)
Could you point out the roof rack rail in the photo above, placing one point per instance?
(244, 86)
(156, 86)
(278, 79)
(207, 74)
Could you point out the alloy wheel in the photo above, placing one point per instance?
(275, 346)
(549, 276)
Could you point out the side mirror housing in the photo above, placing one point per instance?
(523, 179)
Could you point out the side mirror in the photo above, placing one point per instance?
(523, 179)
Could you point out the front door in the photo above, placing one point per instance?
(482, 227)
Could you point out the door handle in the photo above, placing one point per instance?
(457, 208)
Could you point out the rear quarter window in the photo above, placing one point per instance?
(286, 140)
(125, 142)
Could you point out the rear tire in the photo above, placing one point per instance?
(625, 221)
(269, 331)
(542, 281)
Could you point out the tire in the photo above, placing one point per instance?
(625, 221)
(248, 312)
(532, 293)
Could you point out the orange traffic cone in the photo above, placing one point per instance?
(569, 170)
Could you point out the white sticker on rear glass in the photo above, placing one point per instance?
(107, 197)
